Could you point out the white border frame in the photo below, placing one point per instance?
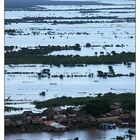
(137, 70)
(2, 70)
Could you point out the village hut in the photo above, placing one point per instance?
(54, 126)
(27, 113)
(19, 123)
(50, 112)
(8, 123)
(36, 120)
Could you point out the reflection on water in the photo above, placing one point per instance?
(90, 134)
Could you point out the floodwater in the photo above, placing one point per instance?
(89, 134)
(103, 33)
(25, 88)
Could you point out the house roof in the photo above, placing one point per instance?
(57, 109)
(47, 122)
(54, 124)
(36, 119)
(7, 120)
(57, 125)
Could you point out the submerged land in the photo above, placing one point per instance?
(70, 66)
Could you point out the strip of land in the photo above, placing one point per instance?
(69, 60)
(108, 98)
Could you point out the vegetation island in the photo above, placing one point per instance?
(106, 111)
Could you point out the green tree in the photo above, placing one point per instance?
(97, 107)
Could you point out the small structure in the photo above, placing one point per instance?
(84, 119)
(79, 119)
(53, 83)
(124, 117)
(133, 114)
(59, 116)
(125, 124)
(130, 131)
(43, 93)
(19, 123)
(8, 123)
(57, 109)
(36, 120)
(27, 120)
(77, 109)
(50, 112)
(54, 126)
(109, 115)
(120, 138)
(13, 124)
(117, 111)
(61, 119)
(44, 73)
(107, 126)
(72, 115)
(27, 113)
(116, 105)
(91, 118)
(44, 118)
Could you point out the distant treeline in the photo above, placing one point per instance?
(101, 9)
(69, 9)
(45, 18)
(48, 19)
(69, 60)
(42, 49)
